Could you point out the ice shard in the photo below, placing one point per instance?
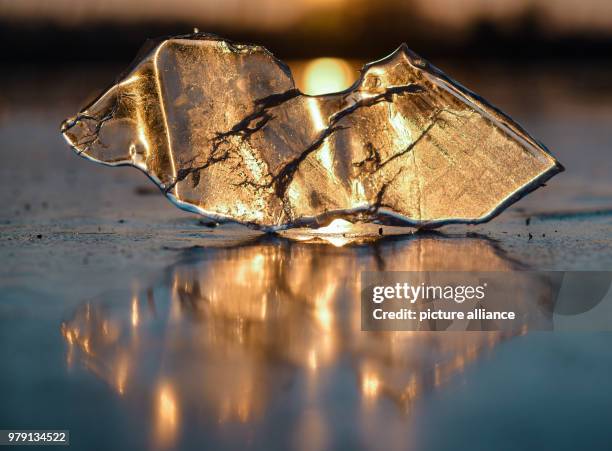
(222, 130)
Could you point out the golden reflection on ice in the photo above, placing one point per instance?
(370, 385)
(122, 372)
(135, 314)
(68, 336)
(312, 359)
(167, 415)
(323, 303)
(249, 320)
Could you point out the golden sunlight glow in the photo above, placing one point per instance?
(336, 241)
(135, 314)
(326, 158)
(324, 315)
(336, 226)
(370, 385)
(257, 263)
(67, 334)
(325, 155)
(70, 340)
(401, 126)
(122, 372)
(132, 79)
(142, 136)
(167, 414)
(326, 76)
(323, 303)
(312, 360)
(315, 114)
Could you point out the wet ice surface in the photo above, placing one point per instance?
(214, 338)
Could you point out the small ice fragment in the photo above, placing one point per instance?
(223, 131)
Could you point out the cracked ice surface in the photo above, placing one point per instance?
(221, 128)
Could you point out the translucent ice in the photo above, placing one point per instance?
(221, 128)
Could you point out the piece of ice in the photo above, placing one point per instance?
(221, 128)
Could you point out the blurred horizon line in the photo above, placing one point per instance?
(50, 44)
(114, 30)
(560, 16)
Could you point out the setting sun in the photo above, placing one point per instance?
(327, 75)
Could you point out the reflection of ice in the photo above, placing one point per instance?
(166, 411)
(225, 330)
